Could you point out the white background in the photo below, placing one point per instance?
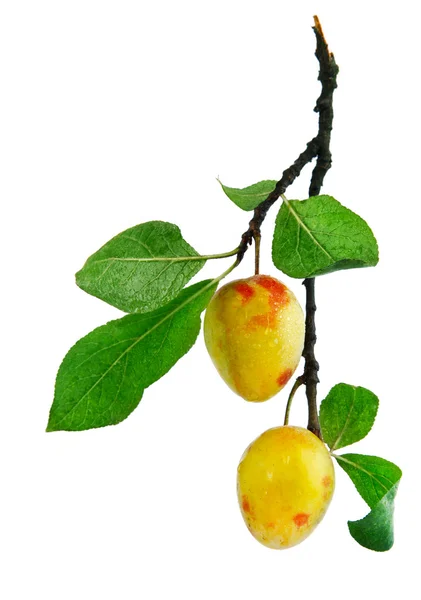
(115, 113)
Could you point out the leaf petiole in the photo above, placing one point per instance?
(170, 259)
(225, 273)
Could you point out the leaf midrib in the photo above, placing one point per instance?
(306, 229)
(340, 435)
(250, 194)
(149, 259)
(357, 466)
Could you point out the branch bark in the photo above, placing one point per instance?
(324, 106)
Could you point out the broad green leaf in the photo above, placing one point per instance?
(142, 268)
(372, 476)
(347, 414)
(375, 531)
(102, 378)
(377, 480)
(319, 235)
(249, 197)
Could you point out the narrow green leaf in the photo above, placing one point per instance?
(142, 268)
(319, 235)
(372, 476)
(347, 414)
(102, 378)
(249, 197)
(377, 480)
(375, 531)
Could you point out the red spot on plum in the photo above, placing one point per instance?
(277, 290)
(301, 519)
(270, 525)
(327, 481)
(245, 290)
(259, 321)
(246, 505)
(278, 295)
(284, 377)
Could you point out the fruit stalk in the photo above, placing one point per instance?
(257, 238)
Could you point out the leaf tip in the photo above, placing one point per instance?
(79, 278)
(381, 545)
(49, 427)
(52, 421)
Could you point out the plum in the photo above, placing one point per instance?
(285, 482)
(254, 333)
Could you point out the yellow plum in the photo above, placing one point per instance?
(254, 333)
(285, 482)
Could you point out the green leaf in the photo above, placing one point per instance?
(102, 378)
(249, 197)
(375, 531)
(319, 235)
(347, 414)
(377, 480)
(372, 476)
(142, 268)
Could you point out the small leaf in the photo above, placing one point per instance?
(347, 414)
(377, 480)
(249, 197)
(102, 378)
(142, 268)
(319, 235)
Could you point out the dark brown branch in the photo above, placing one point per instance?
(324, 106)
(319, 146)
(311, 366)
(288, 177)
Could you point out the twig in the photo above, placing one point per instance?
(288, 177)
(311, 366)
(299, 381)
(318, 146)
(324, 106)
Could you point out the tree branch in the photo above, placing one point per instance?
(288, 177)
(318, 147)
(324, 106)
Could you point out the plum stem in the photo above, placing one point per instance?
(299, 381)
(257, 238)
